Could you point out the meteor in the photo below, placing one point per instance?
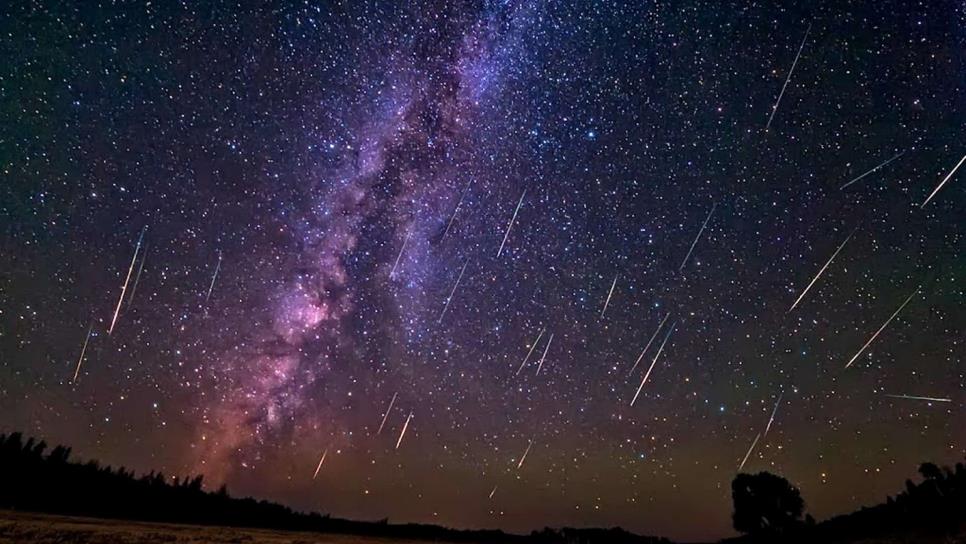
(610, 294)
(649, 342)
(544, 356)
(532, 347)
(213, 277)
(747, 455)
(913, 397)
(130, 269)
(450, 297)
(456, 209)
(773, 412)
(510, 224)
(774, 108)
(318, 468)
(83, 351)
(901, 153)
(820, 272)
(403, 248)
(403, 433)
(524, 458)
(648, 373)
(137, 277)
(696, 238)
(492, 492)
(386, 416)
(884, 325)
(943, 182)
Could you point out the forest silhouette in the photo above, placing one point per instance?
(766, 506)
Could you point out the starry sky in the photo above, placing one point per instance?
(432, 240)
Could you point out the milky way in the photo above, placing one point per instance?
(426, 242)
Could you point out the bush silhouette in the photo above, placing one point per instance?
(765, 503)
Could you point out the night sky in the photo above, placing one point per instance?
(265, 224)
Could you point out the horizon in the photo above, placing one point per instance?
(489, 264)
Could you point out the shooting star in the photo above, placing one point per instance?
(747, 455)
(130, 269)
(787, 79)
(386, 415)
(649, 342)
(492, 493)
(914, 397)
(83, 351)
(510, 224)
(648, 373)
(884, 325)
(696, 238)
(137, 277)
(532, 347)
(213, 278)
(820, 272)
(943, 182)
(450, 297)
(318, 468)
(456, 209)
(524, 458)
(398, 257)
(773, 412)
(610, 294)
(901, 153)
(544, 356)
(403, 433)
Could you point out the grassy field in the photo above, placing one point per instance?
(22, 527)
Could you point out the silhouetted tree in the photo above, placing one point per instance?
(765, 503)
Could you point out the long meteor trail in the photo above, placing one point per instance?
(386, 416)
(213, 278)
(880, 165)
(656, 356)
(83, 351)
(450, 297)
(398, 257)
(820, 272)
(524, 458)
(529, 353)
(884, 325)
(774, 108)
(649, 342)
(914, 397)
(773, 412)
(698, 237)
(319, 467)
(610, 294)
(943, 182)
(544, 356)
(130, 269)
(510, 224)
(747, 455)
(403, 433)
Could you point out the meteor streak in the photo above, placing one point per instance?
(820, 272)
(456, 209)
(524, 458)
(648, 373)
(403, 433)
(529, 353)
(913, 397)
(696, 238)
(610, 294)
(901, 153)
(137, 277)
(386, 415)
(747, 455)
(318, 468)
(943, 182)
(492, 492)
(403, 248)
(884, 325)
(130, 269)
(788, 78)
(649, 342)
(83, 351)
(450, 297)
(213, 277)
(544, 356)
(510, 224)
(773, 412)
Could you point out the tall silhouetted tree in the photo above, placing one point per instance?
(765, 503)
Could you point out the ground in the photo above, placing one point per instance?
(21, 527)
